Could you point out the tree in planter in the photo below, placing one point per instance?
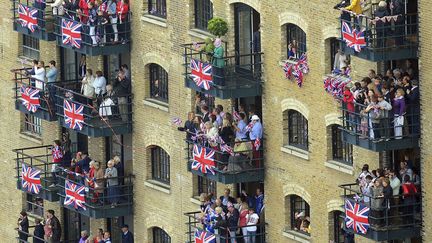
(218, 27)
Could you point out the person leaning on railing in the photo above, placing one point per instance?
(122, 87)
(218, 63)
(38, 232)
(409, 192)
(23, 226)
(112, 184)
(399, 108)
(123, 13)
(377, 199)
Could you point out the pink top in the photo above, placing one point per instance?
(242, 221)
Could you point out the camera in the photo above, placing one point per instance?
(342, 4)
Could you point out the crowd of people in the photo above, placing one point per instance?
(236, 137)
(105, 185)
(109, 98)
(396, 192)
(381, 107)
(49, 230)
(231, 219)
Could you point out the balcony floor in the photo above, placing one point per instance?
(40, 113)
(392, 144)
(96, 127)
(105, 211)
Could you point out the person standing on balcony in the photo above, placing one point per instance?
(54, 227)
(377, 199)
(254, 135)
(38, 233)
(240, 128)
(252, 220)
(226, 198)
(84, 163)
(23, 227)
(405, 170)
(395, 184)
(348, 100)
(123, 14)
(51, 75)
(413, 97)
(112, 183)
(218, 63)
(122, 87)
(99, 84)
(399, 113)
(82, 69)
(409, 192)
(259, 200)
(107, 237)
(384, 109)
(87, 88)
(84, 237)
(397, 7)
(232, 222)
(113, 18)
(39, 75)
(93, 22)
(381, 26)
(57, 158)
(127, 236)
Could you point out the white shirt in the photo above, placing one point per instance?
(40, 76)
(252, 219)
(100, 85)
(105, 107)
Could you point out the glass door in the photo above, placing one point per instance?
(247, 36)
(74, 223)
(69, 64)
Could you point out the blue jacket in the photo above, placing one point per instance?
(52, 75)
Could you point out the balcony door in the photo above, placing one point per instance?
(69, 64)
(74, 223)
(79, 142)
(247, 39)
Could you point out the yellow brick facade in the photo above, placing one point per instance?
(287, 172)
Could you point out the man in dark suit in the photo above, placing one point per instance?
(226, 198)
(38, 233)
(206, 113)
(413, 97)
(127, 236)
(55, 226)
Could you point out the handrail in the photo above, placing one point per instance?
(44, 16)
(29, 235)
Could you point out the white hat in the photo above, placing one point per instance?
(255, 117)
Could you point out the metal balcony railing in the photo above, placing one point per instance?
(239, 77)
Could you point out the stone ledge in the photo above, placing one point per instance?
(303, 154)
(195, 200)
(156, 104)
(31, 138)
(158, 186)
(154, 20)
(199, 34)
(339, 166)
(299, 237)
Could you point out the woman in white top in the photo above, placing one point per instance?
(99, 84)
(251, 221)
(105, 107)
(211, 133)
(87, 88)
(39, 75)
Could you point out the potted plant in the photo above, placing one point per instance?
(217, 26)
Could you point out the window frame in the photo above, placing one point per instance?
(203, 12)
(334, 46)
(304, 206)
(160, 165)
(341, 151)
(157, 8)
(158, 90)
(32, 125)
(298, 127)
(30, 47)
(160, 235)
(337, 229)
(294, 32)
(206, 185)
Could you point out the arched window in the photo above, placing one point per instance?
(203, 13)
(160, 236)
(299, 214)
(341, 151)
(296, 41)
(158, 83)
(336, 219)
(297, 130)
(160, 161)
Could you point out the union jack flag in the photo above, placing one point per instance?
(204, 237)
(236, 116)
(28, 17)
(257, 143)
(203, 159)
(73, 115)
(226, 148)
(30, 179)
(201, 73)
(71, 33)
(298, 75)
(248, 128)
(176, 121)
(356, 217)
(75, 195)
(353, 38)
(30, 98)
(303, 63)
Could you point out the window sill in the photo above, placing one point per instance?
(156, 104)
(303, 154)
(25, 60)
(195, 200)
(199, 34)
(158, 186)
(154, 20)
(299, 237)
(31, 137)
(339, 166)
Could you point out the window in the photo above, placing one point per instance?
(203, 13)
(160, 236)
(34, 205)
(30, 47)
(205, 99)
(158, 83)
(160, 165)
(299, 211)
(206, 186)
(337, 226)
(157, 8)
(297, 130)
(334, 47)
(341, 151)
(296, 41)
(32, 124)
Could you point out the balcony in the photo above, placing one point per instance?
(36, 159)
(98, 203)
(397, 221)
(33, 19)
(197, 222)
(360, 129)
(89, 116)
(385, 40)
(32, 99)
(76, 33)
(243, 165)
(240, 76)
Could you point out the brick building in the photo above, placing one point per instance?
(309, 149)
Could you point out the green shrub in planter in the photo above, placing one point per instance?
(217, 27)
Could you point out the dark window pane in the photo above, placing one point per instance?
(298, 207)
(158, 83)
(160, 236)
(157, 8)
(296, 41)
(206, 186)
(297, 130)
(341, 151)
(203, 13)
(160, 165)
(32, 124)
(30, 47)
